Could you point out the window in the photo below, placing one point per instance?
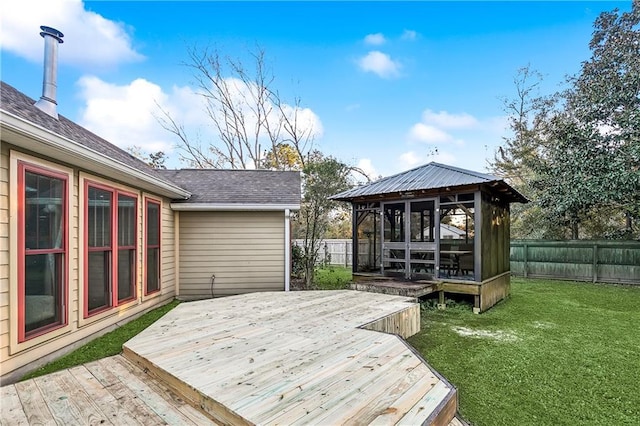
(111, 248)
(126, 247)
(42, 250)
(152, 247)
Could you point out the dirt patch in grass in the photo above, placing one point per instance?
(499, 335)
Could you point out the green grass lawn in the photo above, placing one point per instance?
(106, 345)
(333, 278)
(554, 353)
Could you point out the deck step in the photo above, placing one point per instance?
(396, 288)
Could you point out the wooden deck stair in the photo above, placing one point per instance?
(297, 358)
(397, 288)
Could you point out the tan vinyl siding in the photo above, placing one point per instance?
(16, 358)
(244, 250)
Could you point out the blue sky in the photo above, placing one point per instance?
(384, 84)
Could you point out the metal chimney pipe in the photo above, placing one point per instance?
(47, 102)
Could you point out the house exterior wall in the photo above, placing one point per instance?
(17, 358)
(244, 250)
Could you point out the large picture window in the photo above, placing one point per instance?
(111, 248)
(42, 258)
(152, 246)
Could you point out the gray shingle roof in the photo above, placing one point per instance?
(430, 176)
(210, 186)
(17, 103)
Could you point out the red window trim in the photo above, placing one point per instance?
(147, 246)
(133, 247)
(113, 249)
(23, 167)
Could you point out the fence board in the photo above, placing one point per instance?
(580, 260)
(333, 252)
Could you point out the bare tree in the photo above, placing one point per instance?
(250, 118)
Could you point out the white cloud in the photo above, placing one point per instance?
(446, 120)
(243, 94)
(126, 114)
(89, 39)
(307, 120)
(411, 159)
(409, 35)
(379, 63)
(376, 39)
(421, 132)
(366, 166)
(123, 115)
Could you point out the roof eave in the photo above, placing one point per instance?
(201, 207)
(509, 192)
(25, 134)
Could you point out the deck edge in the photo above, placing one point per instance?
(213, 409)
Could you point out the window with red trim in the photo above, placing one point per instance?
(110, 267)
(42, 250)
(152, 247)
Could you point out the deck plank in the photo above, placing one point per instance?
(125, 397)
(350, 392)
(34, 405)
(63, 386)
(166, 404)
(426, 405)
(107, 403)
(11, 411)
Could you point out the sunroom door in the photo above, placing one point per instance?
(422, 240)
(408, 239)
(394, 242)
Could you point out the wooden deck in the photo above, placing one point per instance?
(111, 391)
(264, 358)
(297, 358)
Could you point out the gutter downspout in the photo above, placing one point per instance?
(287, 249)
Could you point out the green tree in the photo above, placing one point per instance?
(521, 155)
(576, 154)
(322, 177)
(605, 97)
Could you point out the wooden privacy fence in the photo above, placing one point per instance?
(333, 252)
(582, 260)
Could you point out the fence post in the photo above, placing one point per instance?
(324, 257)
(526, 267)
(346, 254)
(595, 263)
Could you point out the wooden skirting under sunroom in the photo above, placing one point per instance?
(486, 293)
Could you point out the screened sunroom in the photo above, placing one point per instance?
(432, 223)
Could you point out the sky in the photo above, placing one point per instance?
(385, 86)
